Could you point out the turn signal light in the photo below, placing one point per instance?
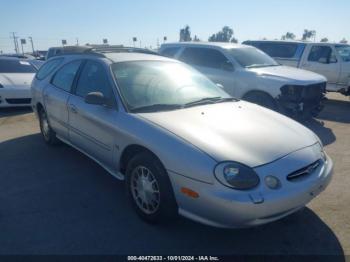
(189, 192)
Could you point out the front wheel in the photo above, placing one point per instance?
(149, 189)
(47, 132)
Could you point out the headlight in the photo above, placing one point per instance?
(236, 175)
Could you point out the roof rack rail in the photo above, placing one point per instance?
(111, 49)
(101, 50)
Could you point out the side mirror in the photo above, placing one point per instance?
(220, 85)
(228, 66)
(95, 98)
(323, 60)
(332, 60)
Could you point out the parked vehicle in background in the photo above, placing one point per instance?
(22, 56)
(16, 76)
(328, 59)
(27, 57)
(36, 63)
(248, 73)
(181, 143)
(40, 54)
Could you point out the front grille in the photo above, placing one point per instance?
(305, 171)
(16, 101)
(314, 92)
(296, 93)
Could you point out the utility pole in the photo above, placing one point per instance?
(31, 41)
(15, 41)
(77, 40)
(23, 42)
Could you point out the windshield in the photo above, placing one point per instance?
(16, 66)
(344, 52)
(162, 85)
(251, 57)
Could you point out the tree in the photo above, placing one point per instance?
(225, 35)
(343, 41)
(308, 34)
(288, 36)
(185, 34)
(324, 40)
(196, 39)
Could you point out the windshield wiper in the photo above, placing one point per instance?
(210, 100)
(155, 108)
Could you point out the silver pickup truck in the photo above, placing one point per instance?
(328, 59)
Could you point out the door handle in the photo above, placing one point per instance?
(73, 108)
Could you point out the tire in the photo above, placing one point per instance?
(261, 99)
(46, 131)
(149, 189)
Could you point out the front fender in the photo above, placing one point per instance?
(176, 154)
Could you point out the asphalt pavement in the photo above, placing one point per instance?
(55, 200)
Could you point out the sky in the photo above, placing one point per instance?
(50, 21)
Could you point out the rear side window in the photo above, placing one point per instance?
(170, 51)
(48, 68)
(322, 54)
(64, 77)
(16, 66)
(205, 57)
(93, 78)
(279, 50)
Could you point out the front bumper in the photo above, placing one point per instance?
(15, 96)
(221, 206)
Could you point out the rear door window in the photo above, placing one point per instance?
(322, 54)
(205, 57)
(64, 77)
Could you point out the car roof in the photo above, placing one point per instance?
(117, 57)
(205, 44)
(124, 57)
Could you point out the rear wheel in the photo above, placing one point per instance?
(261, 99)
(48, 134)
(149, 189)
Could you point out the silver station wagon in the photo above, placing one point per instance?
(181, 144)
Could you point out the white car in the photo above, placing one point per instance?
(248, 73)
(16, 76)
(328, 59)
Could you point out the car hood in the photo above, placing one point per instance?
(288, 73)
(17, 79)
(236, 131)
